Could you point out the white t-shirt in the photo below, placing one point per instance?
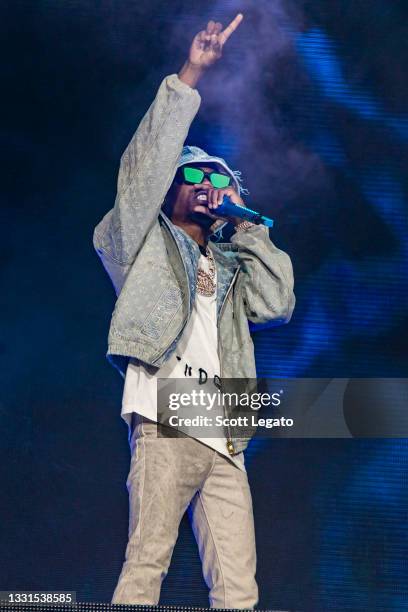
(197, 349)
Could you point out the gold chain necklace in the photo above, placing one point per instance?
(206, 284)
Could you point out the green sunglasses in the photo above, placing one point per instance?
(188, 174)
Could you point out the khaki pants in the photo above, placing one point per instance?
(167, 476)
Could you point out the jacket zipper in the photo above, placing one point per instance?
(230, 444)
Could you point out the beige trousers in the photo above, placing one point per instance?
(168, 476)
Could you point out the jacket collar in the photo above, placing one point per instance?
(225, 259)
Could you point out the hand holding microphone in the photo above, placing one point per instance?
(228, 208)
(227, 204)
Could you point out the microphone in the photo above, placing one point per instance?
(229, 209)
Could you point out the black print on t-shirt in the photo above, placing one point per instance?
(188, 371)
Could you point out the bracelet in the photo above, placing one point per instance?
(244, 225)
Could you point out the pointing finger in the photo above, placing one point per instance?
(224, 36)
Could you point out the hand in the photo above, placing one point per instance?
(207, 45)
(206, 49)
(215, 198)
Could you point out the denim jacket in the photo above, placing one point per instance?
(153, 263)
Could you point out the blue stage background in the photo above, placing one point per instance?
(309, 102)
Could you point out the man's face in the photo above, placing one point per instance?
(191, 200)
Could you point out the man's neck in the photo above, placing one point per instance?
(196, 232)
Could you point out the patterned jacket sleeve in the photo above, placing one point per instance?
(146, 172)
(265, 279)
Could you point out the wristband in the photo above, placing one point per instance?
(244, 225)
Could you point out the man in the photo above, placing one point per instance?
(183, 305)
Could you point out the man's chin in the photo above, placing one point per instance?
(201, 219)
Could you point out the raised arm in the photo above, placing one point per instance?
(146, 171)
(148, 165)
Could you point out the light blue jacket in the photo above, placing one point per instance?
(153, 263)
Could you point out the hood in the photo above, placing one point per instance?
(194, 155)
